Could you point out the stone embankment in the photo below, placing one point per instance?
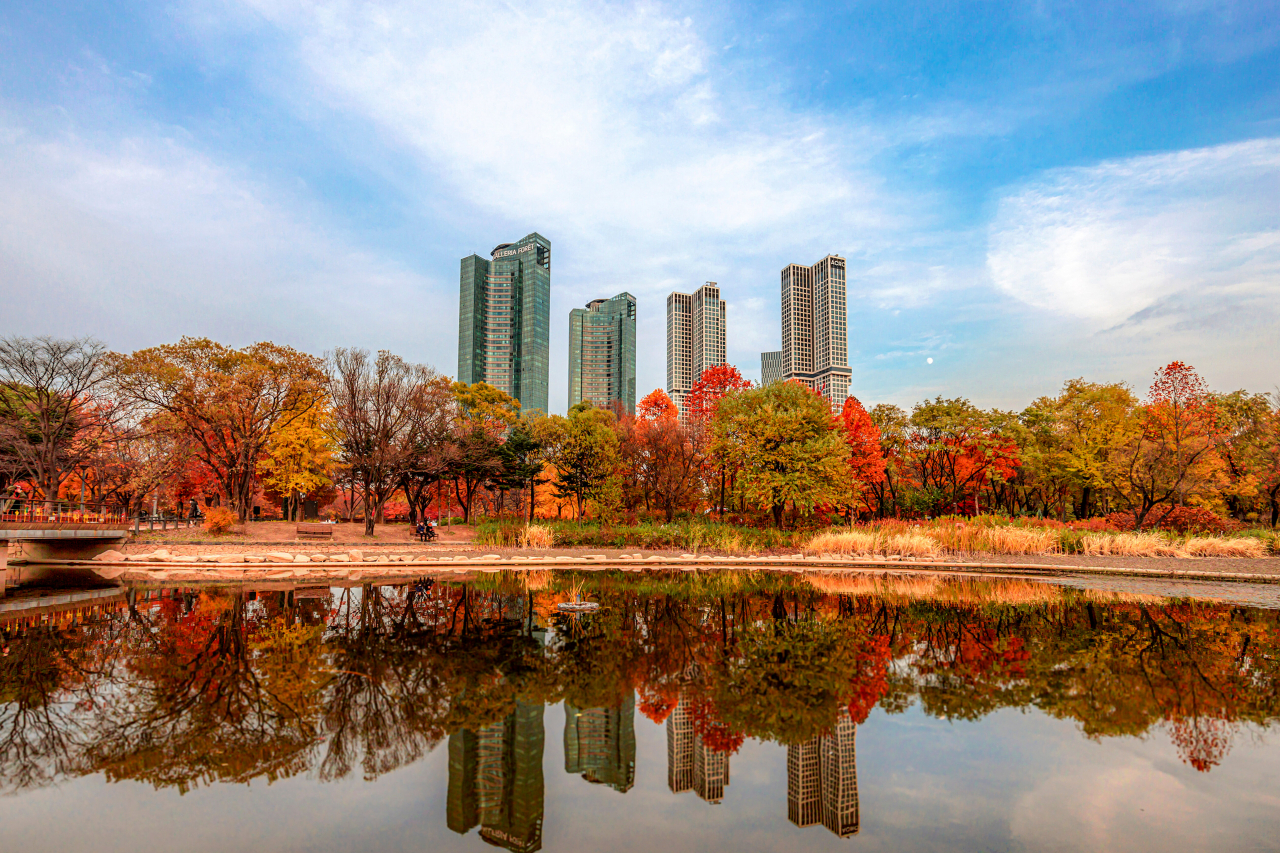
(361, 563)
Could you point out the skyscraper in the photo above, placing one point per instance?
(602, 352)
(504, 320)
(822, 779)
(495, 780)
(770, 367)
(691, 764)
(815, 328)
(695, 338)
(600, 743)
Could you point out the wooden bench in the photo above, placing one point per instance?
(315, 531)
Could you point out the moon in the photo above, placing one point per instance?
(930, 360)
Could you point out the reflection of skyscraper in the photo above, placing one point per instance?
(822, 780)
(495, 780)
(691, 764)
(600, 743)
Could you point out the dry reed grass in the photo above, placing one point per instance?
(1215, 546)
(844, 542)
(927, 588)
(536, 579)
(912, 545)
(1129, 545)
(1019, 540)
(536, 536)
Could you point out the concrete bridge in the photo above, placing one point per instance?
(43, 531)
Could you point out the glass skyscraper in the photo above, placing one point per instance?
(770, 367)
(602, 352)
(504, 320)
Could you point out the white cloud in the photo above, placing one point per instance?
(1166, 239)
(142, 240)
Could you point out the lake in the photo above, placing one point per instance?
(712, 711)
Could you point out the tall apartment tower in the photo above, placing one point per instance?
(770, 367)
(691, 763)
(504, 320)
(600, 743)
(815, 328)
(495, 780)
(602, 352)
(822, 779)
(695, 338)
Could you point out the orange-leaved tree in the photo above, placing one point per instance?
(665, 457)
(1170, 451)
(866, 458)
(712, 386)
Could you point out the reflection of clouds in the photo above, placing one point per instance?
(1137, 796)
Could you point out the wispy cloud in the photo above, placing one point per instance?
(142, 239)
(1168, 239)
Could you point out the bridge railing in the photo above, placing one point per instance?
(31, 511)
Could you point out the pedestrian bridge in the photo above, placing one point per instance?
(35, 531)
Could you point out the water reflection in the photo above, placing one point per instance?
(182, 688)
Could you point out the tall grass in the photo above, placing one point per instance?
(1130, 545)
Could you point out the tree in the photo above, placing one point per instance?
(665, 458)
(484, 415)
(587, 458)
(953, 451)
(786, 444)
(700, 406)
(1093, 422)
(892, 422)
(866, 459)
(378, 410)
(225, 401)
(1168, 452)
(54, 412)
(299, 456)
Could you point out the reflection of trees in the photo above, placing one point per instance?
(47, 676)
(211, 697)
(230, 686)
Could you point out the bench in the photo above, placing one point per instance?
(315, 531)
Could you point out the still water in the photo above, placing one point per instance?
(737, 711)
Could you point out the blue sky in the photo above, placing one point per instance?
(1025, 192)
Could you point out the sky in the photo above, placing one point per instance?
(1025, 192)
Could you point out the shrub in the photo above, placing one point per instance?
(1180, 519)
(219, 520)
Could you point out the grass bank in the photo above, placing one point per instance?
(940, 537)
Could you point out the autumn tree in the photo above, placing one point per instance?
(892, 423)
(225, 401)
(664, 457)
(712, 386)
(1093, 423)
(55, 409)
(953, 451)
(786, 444)
(299, 457)
(484, 415)
(866, 459)
(1170, 443)
(378, 410)
(586, 460)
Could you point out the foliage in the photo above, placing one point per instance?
(225, 402)
(785, 441)
(219, 519)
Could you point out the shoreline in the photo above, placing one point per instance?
(423, 561)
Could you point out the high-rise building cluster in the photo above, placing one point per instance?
(504, 322)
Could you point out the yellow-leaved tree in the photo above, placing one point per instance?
(299, 456)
